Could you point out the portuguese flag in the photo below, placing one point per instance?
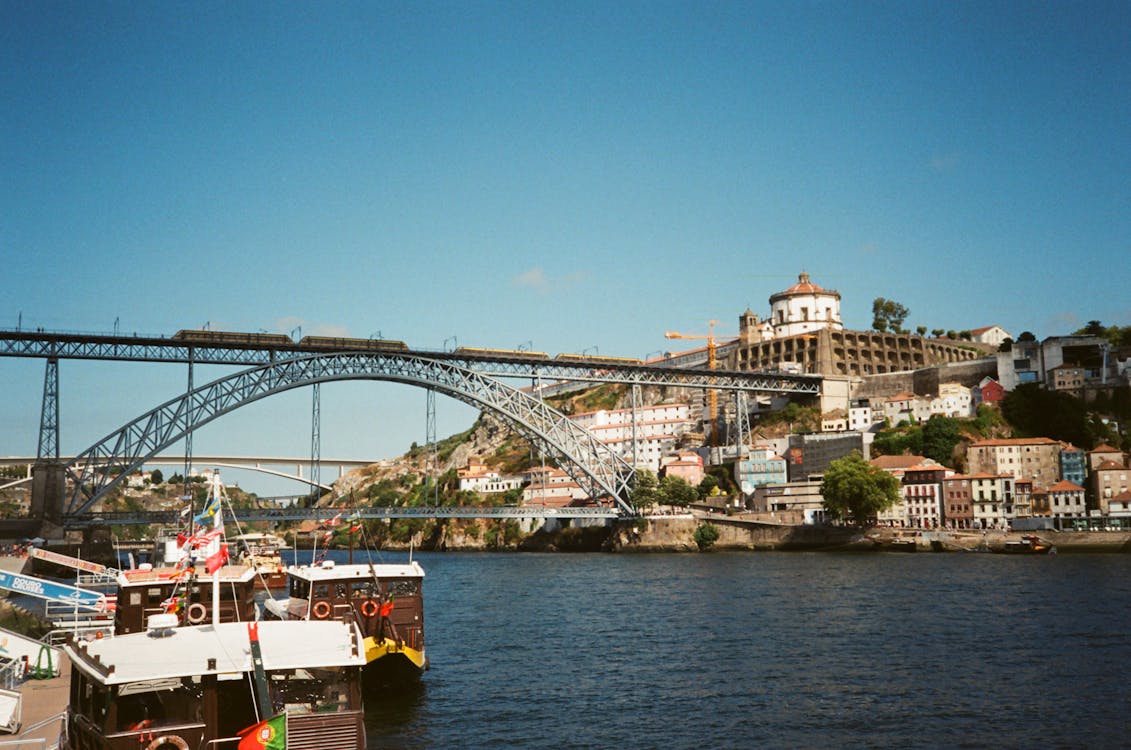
(266, 735)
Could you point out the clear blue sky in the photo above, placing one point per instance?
(567, 174)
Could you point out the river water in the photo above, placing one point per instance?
(754, 650)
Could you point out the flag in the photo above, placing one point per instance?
(355, 528)
(185, 511)
(335, 520)
(327, 536)
(216, 561)
(202, 538)
(211, 510)
(266, 735)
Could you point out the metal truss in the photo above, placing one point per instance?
(252, 515)
(597, 469)
(49, 415)
(498, 365)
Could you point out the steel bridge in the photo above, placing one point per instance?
(473, 376)
(295, 513)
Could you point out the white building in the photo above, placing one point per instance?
(476, 477)
(657, 431)
(992, 335)
(804, 308)
(860, 417)
(550, 487)
(992, 499)
(954, 400)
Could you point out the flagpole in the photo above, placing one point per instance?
(217, 523)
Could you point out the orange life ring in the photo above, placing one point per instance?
(168, 742)
(369, 608)
(322, 610)
(196, 613)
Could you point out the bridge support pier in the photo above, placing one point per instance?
(48, 492)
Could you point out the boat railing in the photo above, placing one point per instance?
(223, 741)
(12, 674)
(83, 631)
(27, 743)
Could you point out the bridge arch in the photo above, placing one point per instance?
(592, 464)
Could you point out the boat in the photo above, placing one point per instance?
(263, 553)
(212, 686)
(1028, 544)
(385, 599)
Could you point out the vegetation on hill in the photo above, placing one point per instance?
(1116, 335)
(1036, 412)
(940, 438)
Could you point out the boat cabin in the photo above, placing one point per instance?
(144, 592)
(385, 599)
(196, 687)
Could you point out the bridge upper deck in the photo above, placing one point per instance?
(251, 349)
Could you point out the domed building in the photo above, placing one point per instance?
(804, 308)
(805, 334)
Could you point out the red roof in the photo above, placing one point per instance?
(1065, 486)
(897, 462)
(804, 286)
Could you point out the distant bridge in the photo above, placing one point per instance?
(247, 463)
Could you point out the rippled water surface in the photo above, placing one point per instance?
(768, 650)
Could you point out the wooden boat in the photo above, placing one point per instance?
(174, 688)
(386, 600)
(147, 591)
(1029, 544)
(263, 553)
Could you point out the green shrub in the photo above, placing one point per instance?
(706, 535)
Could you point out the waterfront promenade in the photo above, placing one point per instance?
(40, 699)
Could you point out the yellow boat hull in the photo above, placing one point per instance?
(386, 650)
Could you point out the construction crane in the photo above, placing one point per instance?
(712, 362)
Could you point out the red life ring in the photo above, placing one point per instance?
(322, 610)
(369, 608)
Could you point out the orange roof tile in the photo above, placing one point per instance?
(1065, 486)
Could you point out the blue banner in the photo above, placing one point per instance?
(49, 590)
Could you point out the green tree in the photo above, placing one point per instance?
(937, 332)
(677, 491)
(940, 435)
(646, 493)
(1034, 412)
(707, 486)
(888, 315)
(856, 491)
(156, 477)
(1026, 336)
(921, 330)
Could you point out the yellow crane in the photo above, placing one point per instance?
(712, 361)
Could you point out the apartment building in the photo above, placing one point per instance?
(1037, 459)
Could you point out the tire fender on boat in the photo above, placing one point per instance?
(196, 613)
(168, 742)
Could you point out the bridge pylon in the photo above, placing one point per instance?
(48, 495)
